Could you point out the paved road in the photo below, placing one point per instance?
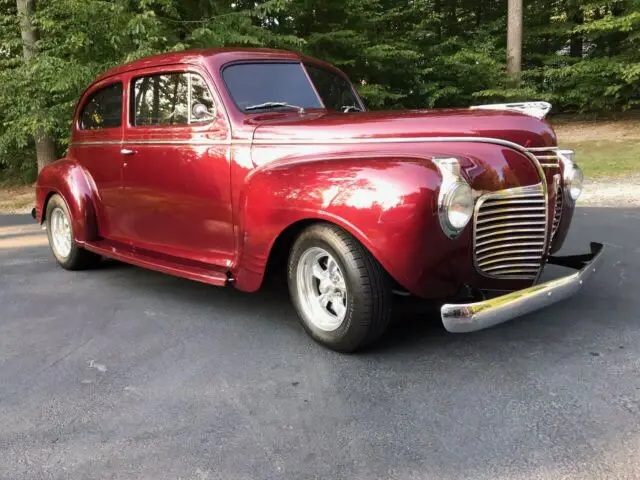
(125, 373)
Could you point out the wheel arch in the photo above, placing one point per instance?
(70, 181)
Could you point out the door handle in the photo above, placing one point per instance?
(126, 151)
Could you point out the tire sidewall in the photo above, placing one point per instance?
(58, 202)
(352, 329)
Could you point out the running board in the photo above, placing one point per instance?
(160, 263)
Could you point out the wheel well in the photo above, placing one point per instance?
(276, 269)
(279, 254)
(44, 206)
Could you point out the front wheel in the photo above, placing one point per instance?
(60, 233)
(339, 289)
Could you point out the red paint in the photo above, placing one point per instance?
(209, 202)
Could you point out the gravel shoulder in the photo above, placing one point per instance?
(617, 192)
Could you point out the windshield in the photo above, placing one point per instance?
(277, 86)
(253, 84)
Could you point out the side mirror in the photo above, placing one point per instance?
(201, 112)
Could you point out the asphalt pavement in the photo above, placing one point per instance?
(123, 373)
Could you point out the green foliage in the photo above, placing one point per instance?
(583, 55)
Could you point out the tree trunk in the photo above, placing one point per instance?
(437, 6)
(514, 41)
(45, 146)
(576, 43)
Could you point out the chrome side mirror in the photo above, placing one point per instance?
(200, 112)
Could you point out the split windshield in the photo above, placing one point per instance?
(277, 86)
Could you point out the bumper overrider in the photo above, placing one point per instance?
(469, 317)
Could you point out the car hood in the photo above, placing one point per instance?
(323, 126)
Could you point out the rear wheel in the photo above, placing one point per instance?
(340, 291)
(61, 238)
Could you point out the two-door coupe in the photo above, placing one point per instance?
(214, 164)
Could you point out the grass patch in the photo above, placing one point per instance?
(17, 199)
(607, 158)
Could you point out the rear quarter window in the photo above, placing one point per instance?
(103, 109)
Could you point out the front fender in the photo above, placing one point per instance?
(73, 183)
(389, 203)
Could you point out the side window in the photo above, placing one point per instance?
(103, 109)
(171, 99)
(336, 92)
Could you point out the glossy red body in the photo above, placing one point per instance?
(209, 202)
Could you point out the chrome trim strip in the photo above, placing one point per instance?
(542, 149)
(328, 141)
(159, 142)
(509, 239)
(502, 253)
(507, 247)
(510, 209)
(482, 221)
(509, 274)
(495, 203)
(535, 265)
(470, 317)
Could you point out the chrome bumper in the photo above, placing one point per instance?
(469, 317)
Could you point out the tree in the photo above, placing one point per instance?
(582, 55)
(514, 40)
(45, 146)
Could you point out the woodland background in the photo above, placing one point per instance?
(583, 56)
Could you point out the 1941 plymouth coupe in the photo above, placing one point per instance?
(214, 164)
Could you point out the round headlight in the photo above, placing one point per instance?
(573, 176)
(458, 206)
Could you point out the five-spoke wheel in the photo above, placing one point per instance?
(322, 289)
(341, 292)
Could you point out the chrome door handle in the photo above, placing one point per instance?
(126, 151)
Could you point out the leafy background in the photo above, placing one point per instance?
(581, 55)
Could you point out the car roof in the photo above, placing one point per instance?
(221, 55)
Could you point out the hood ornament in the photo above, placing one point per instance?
(533, 109)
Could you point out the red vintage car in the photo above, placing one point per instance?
(215, 164)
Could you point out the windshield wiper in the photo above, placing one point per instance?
(351, 108)
(261, 106)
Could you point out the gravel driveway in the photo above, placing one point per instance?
(123, 373)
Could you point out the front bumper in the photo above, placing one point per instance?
(469, 317)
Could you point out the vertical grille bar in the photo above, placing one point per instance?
(557, 213)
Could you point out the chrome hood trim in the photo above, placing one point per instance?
(533, 109)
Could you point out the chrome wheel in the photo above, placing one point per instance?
(60, 228)
(321, 289)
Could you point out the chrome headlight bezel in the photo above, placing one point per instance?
(454, 187)
(572, 175)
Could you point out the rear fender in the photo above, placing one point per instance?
(73, 183)
(389, 203)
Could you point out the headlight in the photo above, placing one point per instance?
(459, 206)
(455, 202)
(573, 176)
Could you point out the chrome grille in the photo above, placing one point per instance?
(510, 229)
(547, 156)
(557, 213)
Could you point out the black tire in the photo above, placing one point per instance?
(77, 258)
(369, 295)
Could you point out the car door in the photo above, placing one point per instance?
(95, 144)
(176, 173)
